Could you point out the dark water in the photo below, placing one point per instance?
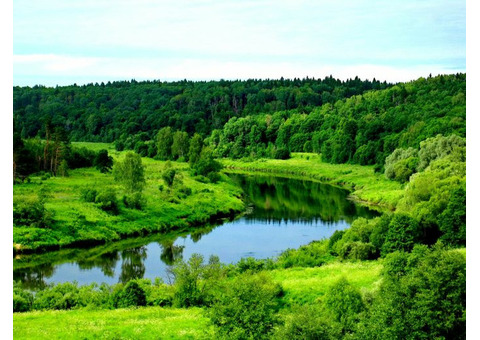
(282, 213)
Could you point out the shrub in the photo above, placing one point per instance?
(31, 212)
(308, 322)
(107, 201)
(134, 201)
(89, 195)
(169, 176)
(195, 282)
(357, 251)
(344, 303)
(131, 295)
(281, 153)
(247, 308)
(403, 232)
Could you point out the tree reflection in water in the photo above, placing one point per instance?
(133, 264)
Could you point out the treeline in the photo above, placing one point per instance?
(53, 156)
(363, 129)
(113, 111)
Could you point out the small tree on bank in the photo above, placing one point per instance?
(130, 172)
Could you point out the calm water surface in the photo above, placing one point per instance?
(282, 213)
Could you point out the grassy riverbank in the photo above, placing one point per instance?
(302, 286)
(73, 221)
(365, 185)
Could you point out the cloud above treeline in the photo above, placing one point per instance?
(62, 42)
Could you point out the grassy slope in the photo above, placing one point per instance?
(76, 220)
(362, 181)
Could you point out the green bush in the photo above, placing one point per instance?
(247, 308)
(134, 201)
(344, 302)
(107, 201)
(168, 176)
(308, 322)
(89, 195)
(281, 153)
(357, 251)
(195, 281)
(131, 295)
(403, 232)
(31, 212)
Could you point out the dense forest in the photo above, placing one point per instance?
(107, 112)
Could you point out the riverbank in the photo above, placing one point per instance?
(75, 222)
(365, 186)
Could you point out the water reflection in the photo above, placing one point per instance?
(283, 213)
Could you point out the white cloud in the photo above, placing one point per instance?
(87, 69)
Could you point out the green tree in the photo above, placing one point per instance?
(195, 149)
(403, 232)
(103, 161)
(247, 307)
(439, 147)
(345, 303)
(180, 145)
(164, 143)
(130, 172)
(195, 281)
(452, 221)
(401, 164)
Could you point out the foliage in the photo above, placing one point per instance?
(246, 309)
(314, 254)
(452, 221)
(403, 233)
(401, 164)
(423, 295)
(31, 212)
(135, 201)
(438, 147)
(103, 161)
(195, 281)
(107, 200)
(132, 294)
(206, 165)
(130, 172)
(168, 176)
(308, 322)
(164, 143)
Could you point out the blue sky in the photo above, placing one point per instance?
(66, 42)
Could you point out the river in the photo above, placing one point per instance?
(282, 213)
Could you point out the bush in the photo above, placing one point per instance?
(169, 176)
(246, 308)
(281, 153)
(131, 295)
(135, 201)
(308, 322)
(31, 212)
(89, 195)
(403, 232)
(22, 299)
(344, 302)
(107, 201)
(357, 251)
(195, 282)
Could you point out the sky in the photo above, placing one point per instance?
(58, 42)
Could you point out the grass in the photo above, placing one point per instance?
(140, 323)
(309, 285)
(77, 221)
(365, 185)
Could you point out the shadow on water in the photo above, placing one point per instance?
(303, 210)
